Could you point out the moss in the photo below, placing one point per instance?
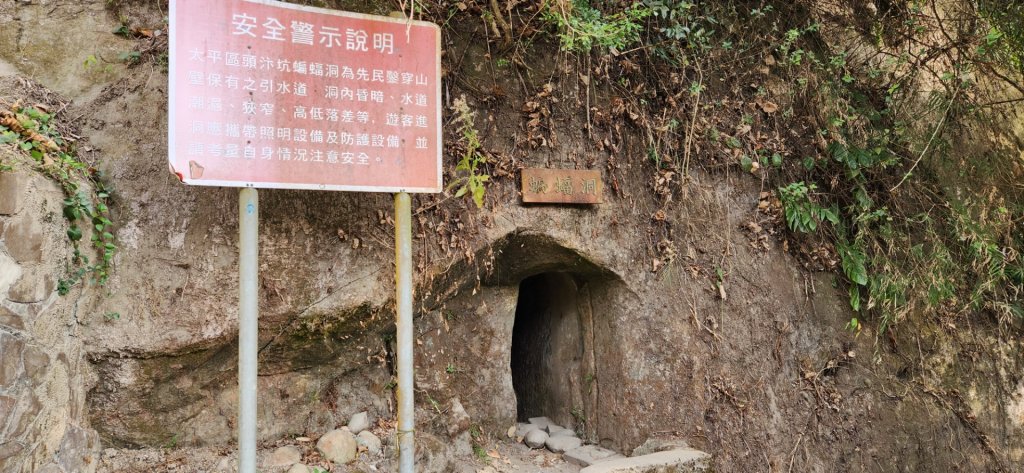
(321, 338)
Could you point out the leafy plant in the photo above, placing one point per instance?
(472, 179)
(678, 20)
(87, 197)
(582, 27)
(129, 57)
(802, 213)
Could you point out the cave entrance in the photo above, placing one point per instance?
(547, 348)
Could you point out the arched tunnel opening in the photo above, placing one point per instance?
(547, 348)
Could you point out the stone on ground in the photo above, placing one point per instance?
(370, 441)
(523, 428)
(227, 465)
(659, 444)
(563, 443)
(685, 460)
(283, 456)
(299, 468)
(458, 418)
(590, 454)
(338, 446)
(541, 422)
(535, 438)
(359, 423)
(556, 431)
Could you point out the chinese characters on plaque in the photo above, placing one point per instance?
(270, 94)
(565, 186)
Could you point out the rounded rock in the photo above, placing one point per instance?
(284, 456)
(299, 468)
(226, 465)
(561, 432)
(562, 443)
(535, 438)
(359, 422)
(338, 446)
(370, 441)
(523, 428)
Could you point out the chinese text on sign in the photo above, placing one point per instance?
(269, 94)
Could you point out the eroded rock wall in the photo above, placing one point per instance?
(729, 343)
(43, 373)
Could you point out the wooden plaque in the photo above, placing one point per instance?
(562, 186)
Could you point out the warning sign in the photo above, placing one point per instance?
(274, 95)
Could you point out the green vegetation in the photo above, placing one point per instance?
(86, 206)
(921, 215)
(910, 236)
(803, 214)
(472, 179)
(581, 27)
(1005, 37)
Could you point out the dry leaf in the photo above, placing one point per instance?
(768, 106)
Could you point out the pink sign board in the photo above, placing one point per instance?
(274, 95)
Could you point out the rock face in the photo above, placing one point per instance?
(43, 423)
(655, 347)
(338, 446)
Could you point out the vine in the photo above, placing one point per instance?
(87, 198)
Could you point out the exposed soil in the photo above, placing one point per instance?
(691, 315)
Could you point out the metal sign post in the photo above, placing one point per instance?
(248, 325)
(404, 338)
(268, 94)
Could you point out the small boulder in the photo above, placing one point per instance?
(227, 465)
(299, 468)
(556, 431)
(541, 422)
(359, 423)
(589, 454)
(535, 438)
(338, 446)
(562, 443)
(284, 456)
(522, 429)
(458, 418)
(370, 441)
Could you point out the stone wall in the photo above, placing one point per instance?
(42, 371)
